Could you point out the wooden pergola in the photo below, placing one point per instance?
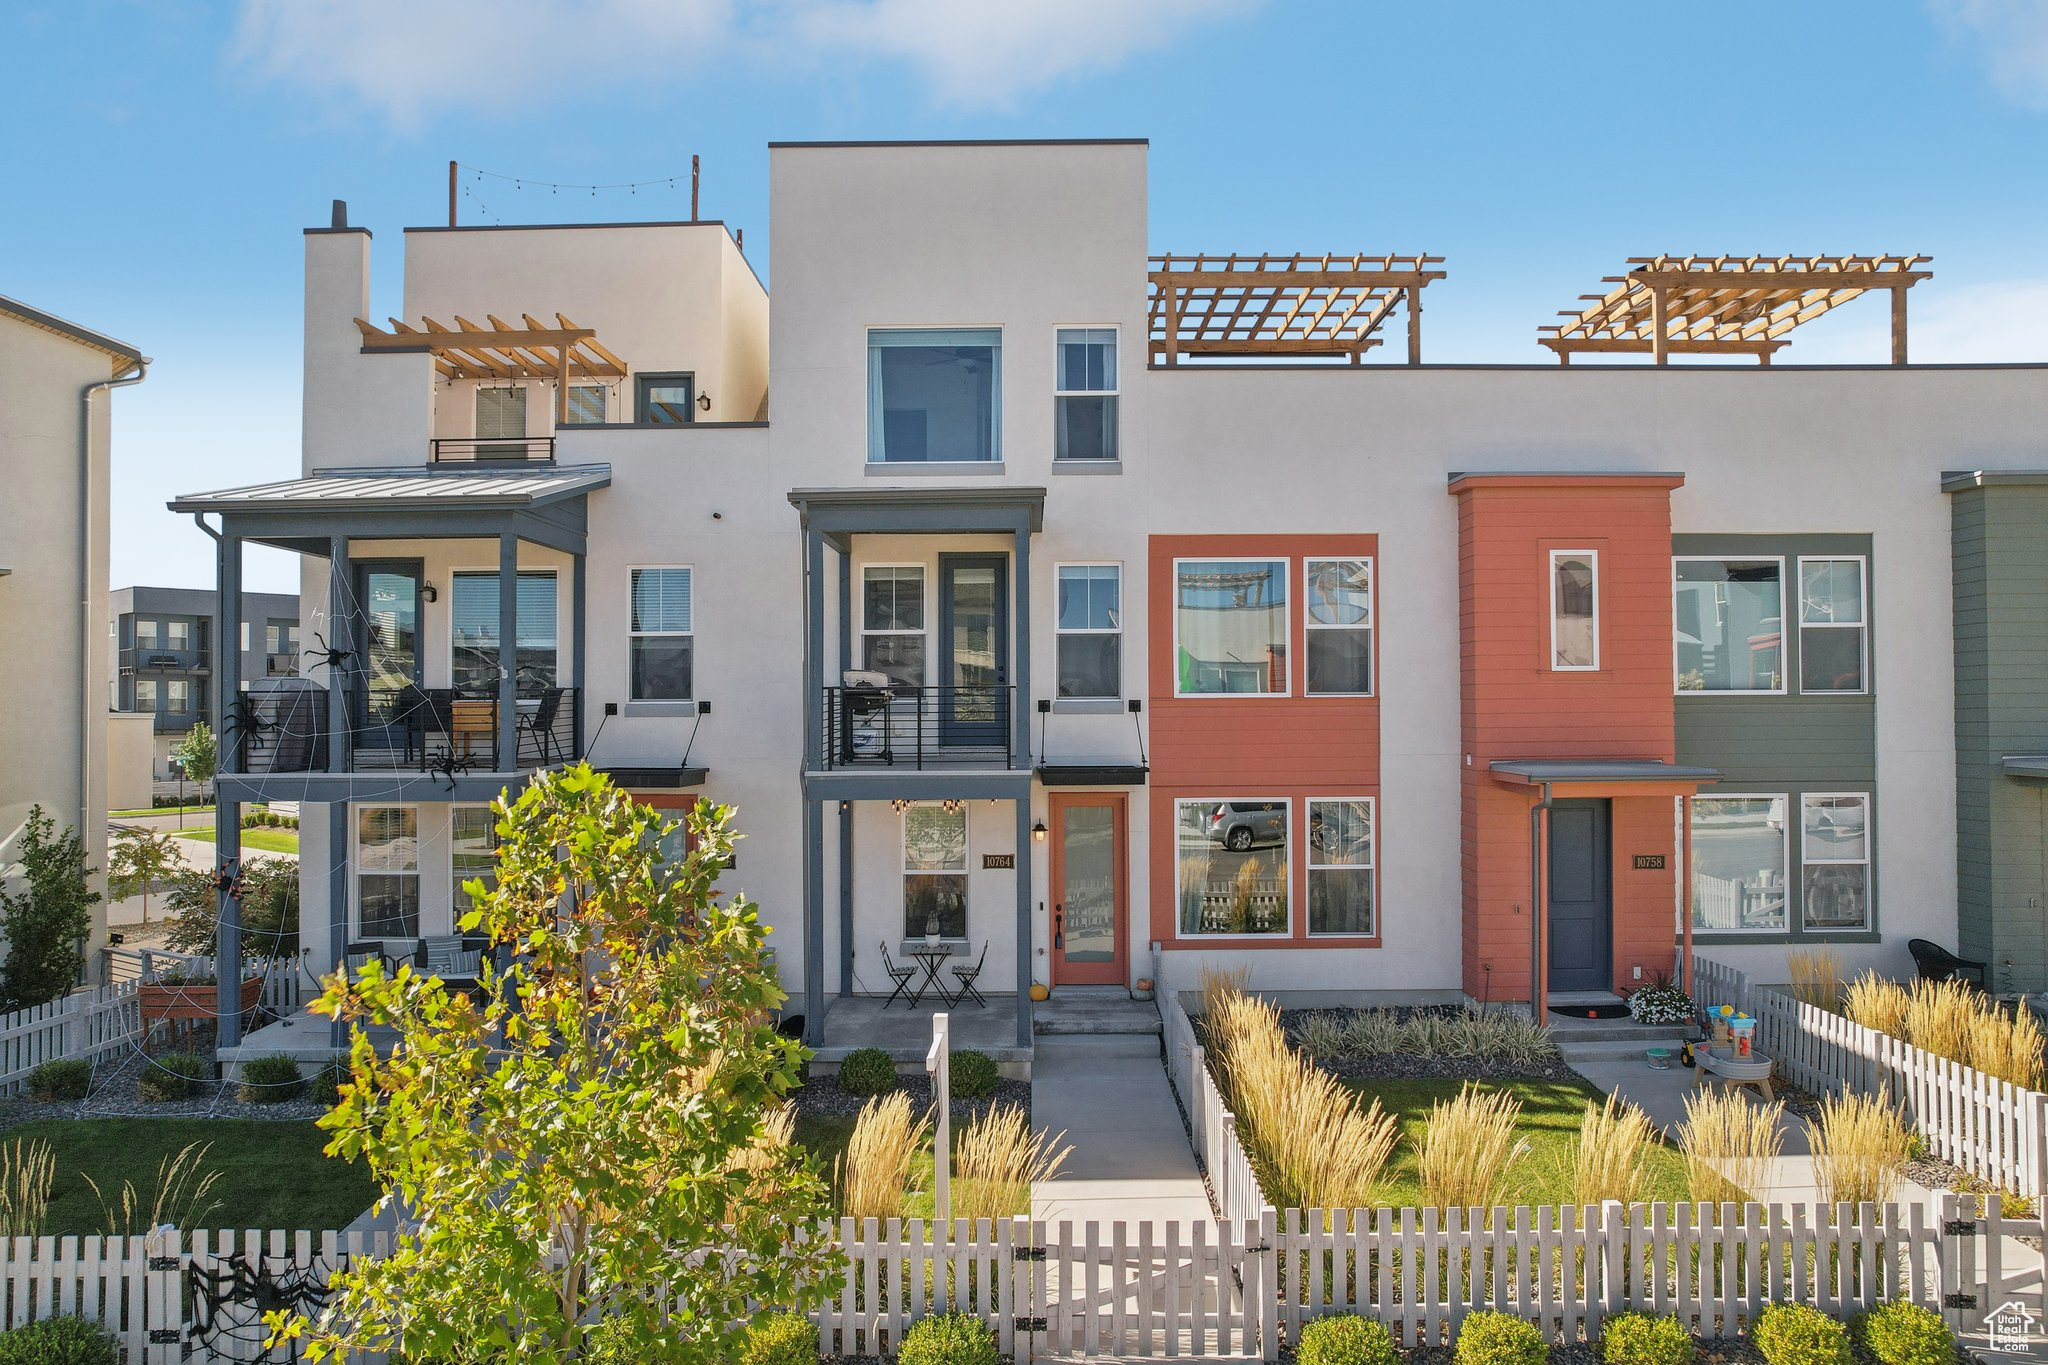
(1282, 305)
(501, 351)
(1726, 305)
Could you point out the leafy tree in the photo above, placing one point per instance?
(138, 861)
(45, 923)
(586, 1146)
(270, 909)
(199, 755)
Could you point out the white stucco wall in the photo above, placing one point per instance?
(360, 411)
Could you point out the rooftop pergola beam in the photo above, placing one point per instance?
(1281, 305)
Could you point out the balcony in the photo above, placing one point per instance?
(160, 659)
(493, 450)
(436, 732)
(917, 728)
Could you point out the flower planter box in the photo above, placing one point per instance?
(191, 1001)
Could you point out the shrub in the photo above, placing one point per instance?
(973, 1074)
(1795, 1334)
(1324, 1036)
(270, 1080)
(325, 1087)
(948, 1339)
(781, 1339)
(1489, 1338)
(173, 1076)
(867, 1071)
(68, 1079)
(1346, 1340)
(1464, 1152)
(1859, 1148)
(1635, 1338)
(1373, 1033)
(1903, 1334)
(997, 1160)
(875, 1171)
(59, 1341)
(1729, 1144)
(1661, 1002)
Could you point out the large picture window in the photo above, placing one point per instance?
(1232, 866)
(1739, 864)
(473, 844)
(1084, 394)
(1339, 634)
(1574, 611)
(1340, 866)
(663, 641)
(934, 395)
(1090, 625)
(1728, 620)
(892, 621)
(935, 871)
(387, 872)
(1835, 850)
(1230, 626)
(474, 631)
(1832, 625)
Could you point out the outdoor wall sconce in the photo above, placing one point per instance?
(704, 401)
(430, 592)
(1038, 831)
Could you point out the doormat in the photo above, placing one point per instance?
(1590, 1011)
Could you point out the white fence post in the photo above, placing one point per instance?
(938, 1063)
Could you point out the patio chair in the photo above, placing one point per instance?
(966, 974)
(452, 959)
(1936, 963)
(540, 724)
(899, 974)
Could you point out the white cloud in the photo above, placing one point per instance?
(2013, 38)
(412, 58)
(1972, 324)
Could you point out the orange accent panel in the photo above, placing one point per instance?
(1645, 929)
(1292, 746)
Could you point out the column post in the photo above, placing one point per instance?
(1414, 324)
(341, 632)
(1026, 946)
(579, 702)
(1660, 342)
(1020, 667)
(227, 821)
(508, 652)
(845, 807)
(340, 863)
(814, 919)
(1898, 324)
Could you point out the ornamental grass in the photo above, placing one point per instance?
(874, 1174)
(1729, 1144)
(1860, 1148)
(2007, 1045)
(1610, 1158)
(997, 1159)
(1939, 1016)
(28, 1170)
(1816, 977)
(1467, 1147)
(1878, 1003)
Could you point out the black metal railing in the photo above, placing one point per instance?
(276, 730)
(902, 726)
(493, 450)
(424, 730)
(165, 659)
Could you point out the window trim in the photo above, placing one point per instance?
(448, 635)
(905, 872)
(927, 587)
(643, 378)
(1371, 626)
(355, 857)
(1372, 868)
(632, 635)
(1787, 929)
(1861, 627)
(1592, 557)
(1283, 936)
(1286, 562)
(995, 406)
(1115, 389)
(1059, 630)
(1868, 862)
(1784, 654)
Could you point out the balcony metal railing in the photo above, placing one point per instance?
(425, 730)
(901, 726)
(165, 659)
(498, 450)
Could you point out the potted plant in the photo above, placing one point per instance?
(1661, 1002)
(190, 996)
(1143, 989)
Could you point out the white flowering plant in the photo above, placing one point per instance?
(1661, 1002)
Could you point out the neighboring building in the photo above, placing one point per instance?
(1041, 617)
(164, 642)
(55, 435)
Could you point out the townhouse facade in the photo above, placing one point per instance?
(1014, 609)
(162, 643)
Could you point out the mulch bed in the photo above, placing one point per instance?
(823, 1096)
(1712, 1351)
(114, 1095)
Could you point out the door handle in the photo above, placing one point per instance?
(1059, 926)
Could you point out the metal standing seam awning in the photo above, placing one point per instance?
(1602, 776)
(2026, 767)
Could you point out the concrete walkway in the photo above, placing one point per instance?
(1131, 1159)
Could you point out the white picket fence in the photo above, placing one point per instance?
(89, 1023)
(1995, 1130)
(1233, 1186)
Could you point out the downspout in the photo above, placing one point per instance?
(1536, 990)
(92, 690)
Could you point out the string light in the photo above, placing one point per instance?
(557, 186)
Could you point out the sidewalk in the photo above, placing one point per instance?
(1131, 1159)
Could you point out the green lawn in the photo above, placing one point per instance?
(262, 838)
(272, 1174)
(161, 810)
(1551, 1114)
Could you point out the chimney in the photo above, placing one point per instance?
(339, 218)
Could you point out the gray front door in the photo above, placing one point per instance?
(1581, 896)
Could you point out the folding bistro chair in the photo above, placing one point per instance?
(899, 974)
(966, 975)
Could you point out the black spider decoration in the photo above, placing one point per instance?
(445, 765)
(246, 720)
(228, 877)
(328, 654)
(227, 1302)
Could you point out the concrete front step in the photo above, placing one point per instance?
(1094, 1045)
(1632, 1041)
(1094, 1010)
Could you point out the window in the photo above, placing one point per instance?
(892, 621)
(1340, 866)
(1084, 393)
(586, 404)
(246, 628)
(177, 635)
(1230, 626)
(1232, 866)
(1831, 625)
(281, 637)
(1574, 610)
(1835, 850)
(666, 399)
(1728, 624)
(934, 395)
(663, 642)
(1738, 864)
(501, 416)
(474, 631)
(145, 694)
(1089, 627)
(387, 872)
(1339, 596)
(177, 696)
(473, 842)
(145, 632)
(935, 871)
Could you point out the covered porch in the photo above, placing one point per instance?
(858, 1021)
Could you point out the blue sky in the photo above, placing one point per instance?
(164, 155)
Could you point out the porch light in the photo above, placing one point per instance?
(430, 592)
(1038, 831)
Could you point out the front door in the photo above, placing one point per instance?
(974, 650)
(1581, 895)
(1088, 917)
(387, 634)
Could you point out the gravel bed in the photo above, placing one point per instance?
(114, 1095)
(1712, 1350)
(823, 1096)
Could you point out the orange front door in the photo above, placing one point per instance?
(1090, 918)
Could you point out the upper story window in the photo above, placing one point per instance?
(663, 635)
(1574, 610)
(145, 694)
(892, 621)
(177, 696)
(1230, 627)
(1090, 627)
(586, 404)
(1728, 625)
(473, 655)
(281, 637)
(1339, 644)
(146, 632)
(501, 416)
(177, 635)
(1832, 625)
(935, 395)
(1084, 393)
(666, 399)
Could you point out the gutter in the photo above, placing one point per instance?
(92, 688)
(1536, 916)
